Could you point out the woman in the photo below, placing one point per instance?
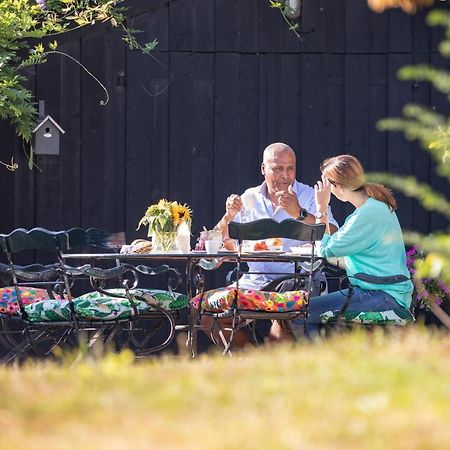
(370, 241)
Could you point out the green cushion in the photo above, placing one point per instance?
(398, 316)
(49, 311)
(97, 306)
(168, 300)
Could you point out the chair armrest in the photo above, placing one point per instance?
(32, 272)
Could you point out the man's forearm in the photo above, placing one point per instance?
(222, 225)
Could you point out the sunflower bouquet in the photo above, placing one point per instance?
(165, 217)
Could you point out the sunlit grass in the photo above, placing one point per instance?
(356, 391)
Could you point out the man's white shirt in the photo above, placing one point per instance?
(258, 206)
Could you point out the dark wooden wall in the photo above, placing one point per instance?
(190, 121)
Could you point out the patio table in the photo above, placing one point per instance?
(196, 263)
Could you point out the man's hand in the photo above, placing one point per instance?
(289, 202)
(232, 206)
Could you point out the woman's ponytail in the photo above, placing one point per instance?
(381, 193)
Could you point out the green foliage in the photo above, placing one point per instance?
(285, 11)
(432, 130)
(23, 25)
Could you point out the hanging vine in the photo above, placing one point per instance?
(22, 23)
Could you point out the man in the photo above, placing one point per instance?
(279, 197)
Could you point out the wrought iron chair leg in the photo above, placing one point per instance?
(169, 338)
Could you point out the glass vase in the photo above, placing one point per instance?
(165, 242)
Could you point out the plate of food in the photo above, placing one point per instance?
(266, 246)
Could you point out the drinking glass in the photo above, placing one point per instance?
(248, 208)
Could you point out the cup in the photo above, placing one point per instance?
(248, 207)
(212, 247)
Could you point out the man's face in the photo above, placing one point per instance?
(279, 172)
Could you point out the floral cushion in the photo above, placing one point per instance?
(48, 311)
(399, 316)
(218, 300)
(142, 297)
(105, 308)
(91, 306)
(8, 298)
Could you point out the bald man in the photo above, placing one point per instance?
(279, 197)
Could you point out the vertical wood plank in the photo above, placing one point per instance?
(58, 181)
(24, 179)
(400, 32)
(226, 132)
(322, 116)
(236, 163)
(365, 31)
(420, 160)
(314, 19)
(249, 152)
(399, 150)
(180, 127)
(283, 99)
(202, 122)
(147, 122)
(48, 182)
(103, 142)
(7, 177)
(357, 113)
(192, 25)
(334, 106)
(377, 157)
(237, 25)
(421, 33)
(153, 24)
(70, 158)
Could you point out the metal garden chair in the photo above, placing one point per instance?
(344, 318)
(123, 309)
(102, 314)
(241, 305)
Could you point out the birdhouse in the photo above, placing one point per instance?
(46, 136)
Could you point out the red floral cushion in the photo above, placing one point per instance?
(218, 300)
(29, 295)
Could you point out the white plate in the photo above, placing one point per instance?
(303, 250)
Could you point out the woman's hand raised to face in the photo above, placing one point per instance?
(322, 192)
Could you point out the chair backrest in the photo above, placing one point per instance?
(93, 237)
(36, 239)
(269, 228)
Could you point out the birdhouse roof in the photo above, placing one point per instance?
(52, 120)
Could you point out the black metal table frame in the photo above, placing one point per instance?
(196, 263)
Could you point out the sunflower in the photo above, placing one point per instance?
(180, 213)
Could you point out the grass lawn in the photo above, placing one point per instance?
(369, 391)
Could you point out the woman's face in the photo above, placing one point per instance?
(336, 190)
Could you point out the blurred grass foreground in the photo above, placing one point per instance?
(353, 391)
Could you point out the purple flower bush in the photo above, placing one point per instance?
(42, 4)
(433, 290)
